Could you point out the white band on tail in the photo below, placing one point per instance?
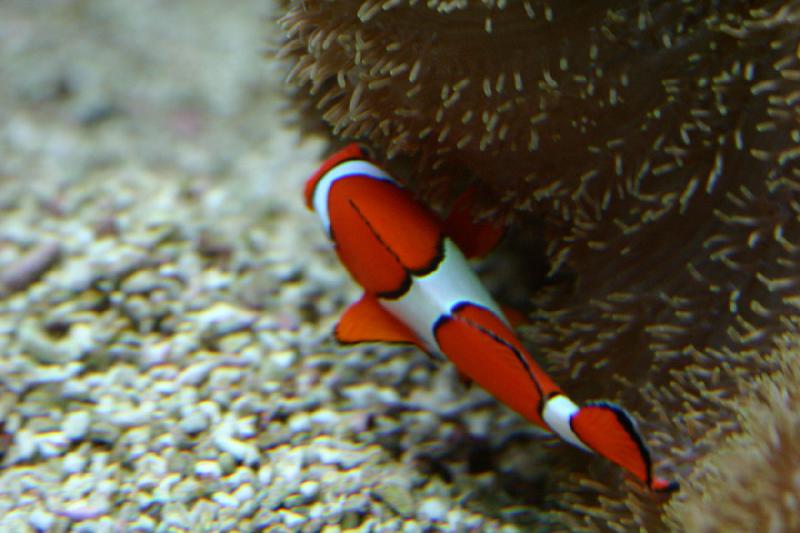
(558, 411)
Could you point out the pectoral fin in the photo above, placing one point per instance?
(368, 321)
(475, 238)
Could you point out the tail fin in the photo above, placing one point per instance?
(612, 433)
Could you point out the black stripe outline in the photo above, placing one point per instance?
(434, 263)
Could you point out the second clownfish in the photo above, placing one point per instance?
(420, 289)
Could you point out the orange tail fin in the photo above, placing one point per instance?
(611, 432)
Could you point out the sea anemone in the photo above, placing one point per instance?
(752, 481)
(656, 144)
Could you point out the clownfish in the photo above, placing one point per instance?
(420, 289)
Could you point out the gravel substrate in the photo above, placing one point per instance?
(166, 303)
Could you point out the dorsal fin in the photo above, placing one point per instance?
(367, 321)
(514, 316)
(475, 238)
(611, 432)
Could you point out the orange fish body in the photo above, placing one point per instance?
(419, 289)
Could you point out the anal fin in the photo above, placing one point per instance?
(368, 321)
